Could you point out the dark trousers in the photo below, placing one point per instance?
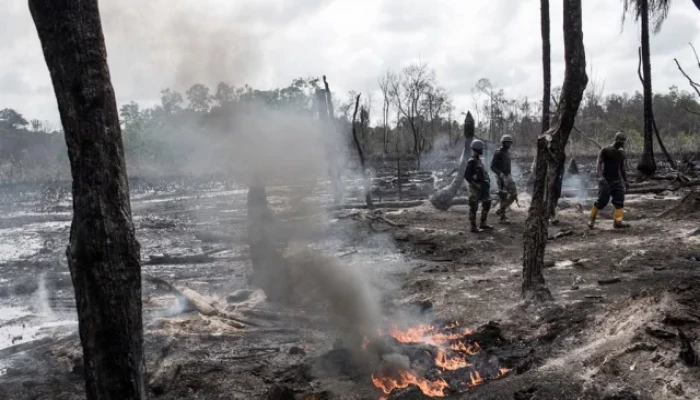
(608, 190)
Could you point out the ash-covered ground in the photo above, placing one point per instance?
(611, 333)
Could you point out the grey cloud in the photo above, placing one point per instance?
(402, 16)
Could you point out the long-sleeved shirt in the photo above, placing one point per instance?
(500, 164)
(476, 173)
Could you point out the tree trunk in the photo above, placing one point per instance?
(647, 165)
(469, 128)
(546, 64)
(550, 150)
(366, 182)
(103, 254)
(334, 169)
(385, 115)
(697, 3)
(443, 199)
(535, 235)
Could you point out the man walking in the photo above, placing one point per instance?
(500, 165)
(479, 186)
(612, 181)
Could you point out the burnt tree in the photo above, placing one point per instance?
(550, 149)
(366, 182)
(670, 159)
(647, 165)
(546, 63)
(103, 254)
(326, 112)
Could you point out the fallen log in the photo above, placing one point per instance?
(22, 347)
(642, 188)
(690, 204)
(609, 281)
(214, 237)
(202, 258)
(390, 204)
(200, 304)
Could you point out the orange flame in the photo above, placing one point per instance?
(450, 364)
(503, 371)
(427, 334)
(470, 349)
(475, 378)
(429, 388)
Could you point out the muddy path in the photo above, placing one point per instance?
(620, 298)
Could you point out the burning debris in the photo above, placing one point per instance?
(437, 360)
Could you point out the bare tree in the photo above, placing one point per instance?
(365, 179)
(103, 254)
(408, 91)
(386, 105)
(436, 104)
(327, 115)
(550, 149)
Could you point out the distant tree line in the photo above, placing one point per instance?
(415, 118)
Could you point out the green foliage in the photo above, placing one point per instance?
(11, 119)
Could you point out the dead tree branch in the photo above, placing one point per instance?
(360, 153)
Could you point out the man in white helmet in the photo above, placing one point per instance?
(479, 186)
(500, 165)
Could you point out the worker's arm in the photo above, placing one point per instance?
(497, 163)
(599, 165)
(469, 173)
(623, 169)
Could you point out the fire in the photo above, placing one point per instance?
(434, 388)
(452, 351)
(450, 364)
(475, 378)
(428, 334)
(470, 349)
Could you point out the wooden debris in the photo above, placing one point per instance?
(687, 353)
(609, 281)
(202, 258)
(201, 304)
(561, 234)
(659, 333)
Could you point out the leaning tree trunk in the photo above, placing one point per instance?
(550, 148)
(546, 64)
(366, 182)
(442, 199)
(697, 3)
(103, 254)
(647, 165)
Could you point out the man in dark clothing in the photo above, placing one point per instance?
(500, 165)
(612, 181)
(479, 186)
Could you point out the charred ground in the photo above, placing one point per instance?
(612, 332)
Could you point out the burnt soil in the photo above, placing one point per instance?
(611, 332)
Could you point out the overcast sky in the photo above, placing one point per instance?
(156, 44)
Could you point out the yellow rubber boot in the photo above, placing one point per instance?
(617, 217)
(594, 215)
